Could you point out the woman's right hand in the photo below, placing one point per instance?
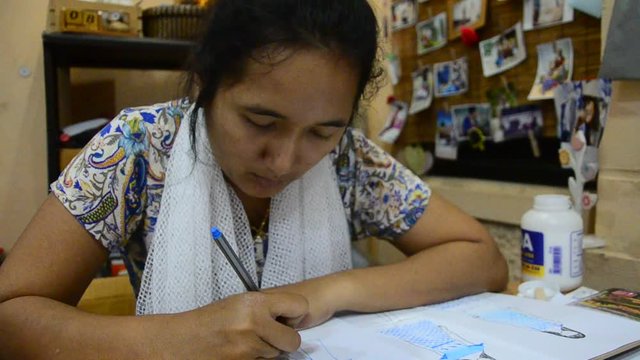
(243, 326)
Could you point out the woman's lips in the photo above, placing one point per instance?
(266, 182)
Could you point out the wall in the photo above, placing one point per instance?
(23, 183)
(616, 214)
(618, 208)
(22, 108)
(22, 124)
(501, 15)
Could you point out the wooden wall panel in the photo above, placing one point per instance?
(584, 32)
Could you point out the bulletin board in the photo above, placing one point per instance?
(501, 14)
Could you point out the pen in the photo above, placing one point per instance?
(232, 258)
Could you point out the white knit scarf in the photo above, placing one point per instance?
(308, 232)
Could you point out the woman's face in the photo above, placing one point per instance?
(589, 109)
(280, 120)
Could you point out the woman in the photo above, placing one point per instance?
(588, 122)
(264, 152)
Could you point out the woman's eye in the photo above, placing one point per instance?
(323, 135)
(259, 123)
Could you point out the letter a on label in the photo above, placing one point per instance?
(526, 243)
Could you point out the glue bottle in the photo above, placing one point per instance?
(552, 242)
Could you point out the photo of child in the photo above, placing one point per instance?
(432, 33)
(544, 13)
(503, 52)
(395, 122)
(403, 14)
(555, 66)
(517, 122)
(452, 77)
(446, 140)
(422, 90)
(469, 13)
(582, 108)
(468, 117)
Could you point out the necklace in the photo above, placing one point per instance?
(260, 232)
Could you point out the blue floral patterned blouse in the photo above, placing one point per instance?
(114, 186)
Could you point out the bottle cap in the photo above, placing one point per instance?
(552, 202)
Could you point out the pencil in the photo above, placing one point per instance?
(232, 258)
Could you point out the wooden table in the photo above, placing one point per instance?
(114, 296)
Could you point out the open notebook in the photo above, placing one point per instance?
(485, 326)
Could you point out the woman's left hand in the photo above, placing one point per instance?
(326, 296)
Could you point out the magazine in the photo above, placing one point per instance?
(616, 301)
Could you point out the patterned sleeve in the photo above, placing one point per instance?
(384, 199)
(104, 186)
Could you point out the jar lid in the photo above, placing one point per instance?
(552, 202)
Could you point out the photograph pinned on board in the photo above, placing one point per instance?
(582, 108)
(502, 52)
(404, 14)
(521, 122)
(468, 117)
(451, 77)
(446, 139)
(396, 120)
(544, 13)
(465, 13)
(502, 97)
(422, 90)
(432, 33)
(555, 66)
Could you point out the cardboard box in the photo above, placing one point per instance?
(66, 155)
(109, 296)
(94, 18)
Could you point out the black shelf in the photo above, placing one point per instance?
(509, 161)
(64, 51)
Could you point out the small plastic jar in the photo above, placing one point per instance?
(552, 242)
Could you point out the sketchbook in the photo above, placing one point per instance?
(485, 326)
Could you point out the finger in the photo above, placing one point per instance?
(264, 350)
(291, 322)
(287, 305)
(280, 336)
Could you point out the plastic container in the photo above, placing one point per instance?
(552, 242)
(538, 289)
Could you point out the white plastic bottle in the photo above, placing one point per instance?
(552, 242)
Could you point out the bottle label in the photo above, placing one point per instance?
(576, 254)
(555, 252)
(532, 253)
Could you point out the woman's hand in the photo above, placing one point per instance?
(242, 326)
(326, 296)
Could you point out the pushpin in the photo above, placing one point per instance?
(469, 36)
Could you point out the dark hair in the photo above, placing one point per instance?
(237, 30)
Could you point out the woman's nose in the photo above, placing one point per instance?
(281, 156)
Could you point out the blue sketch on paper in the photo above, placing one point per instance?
(519, 319)
(439, 339)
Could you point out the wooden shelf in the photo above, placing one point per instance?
(79, 50)
(63, 51)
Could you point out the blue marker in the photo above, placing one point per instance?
(232, 258)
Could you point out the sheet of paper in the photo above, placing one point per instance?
(485, 326)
